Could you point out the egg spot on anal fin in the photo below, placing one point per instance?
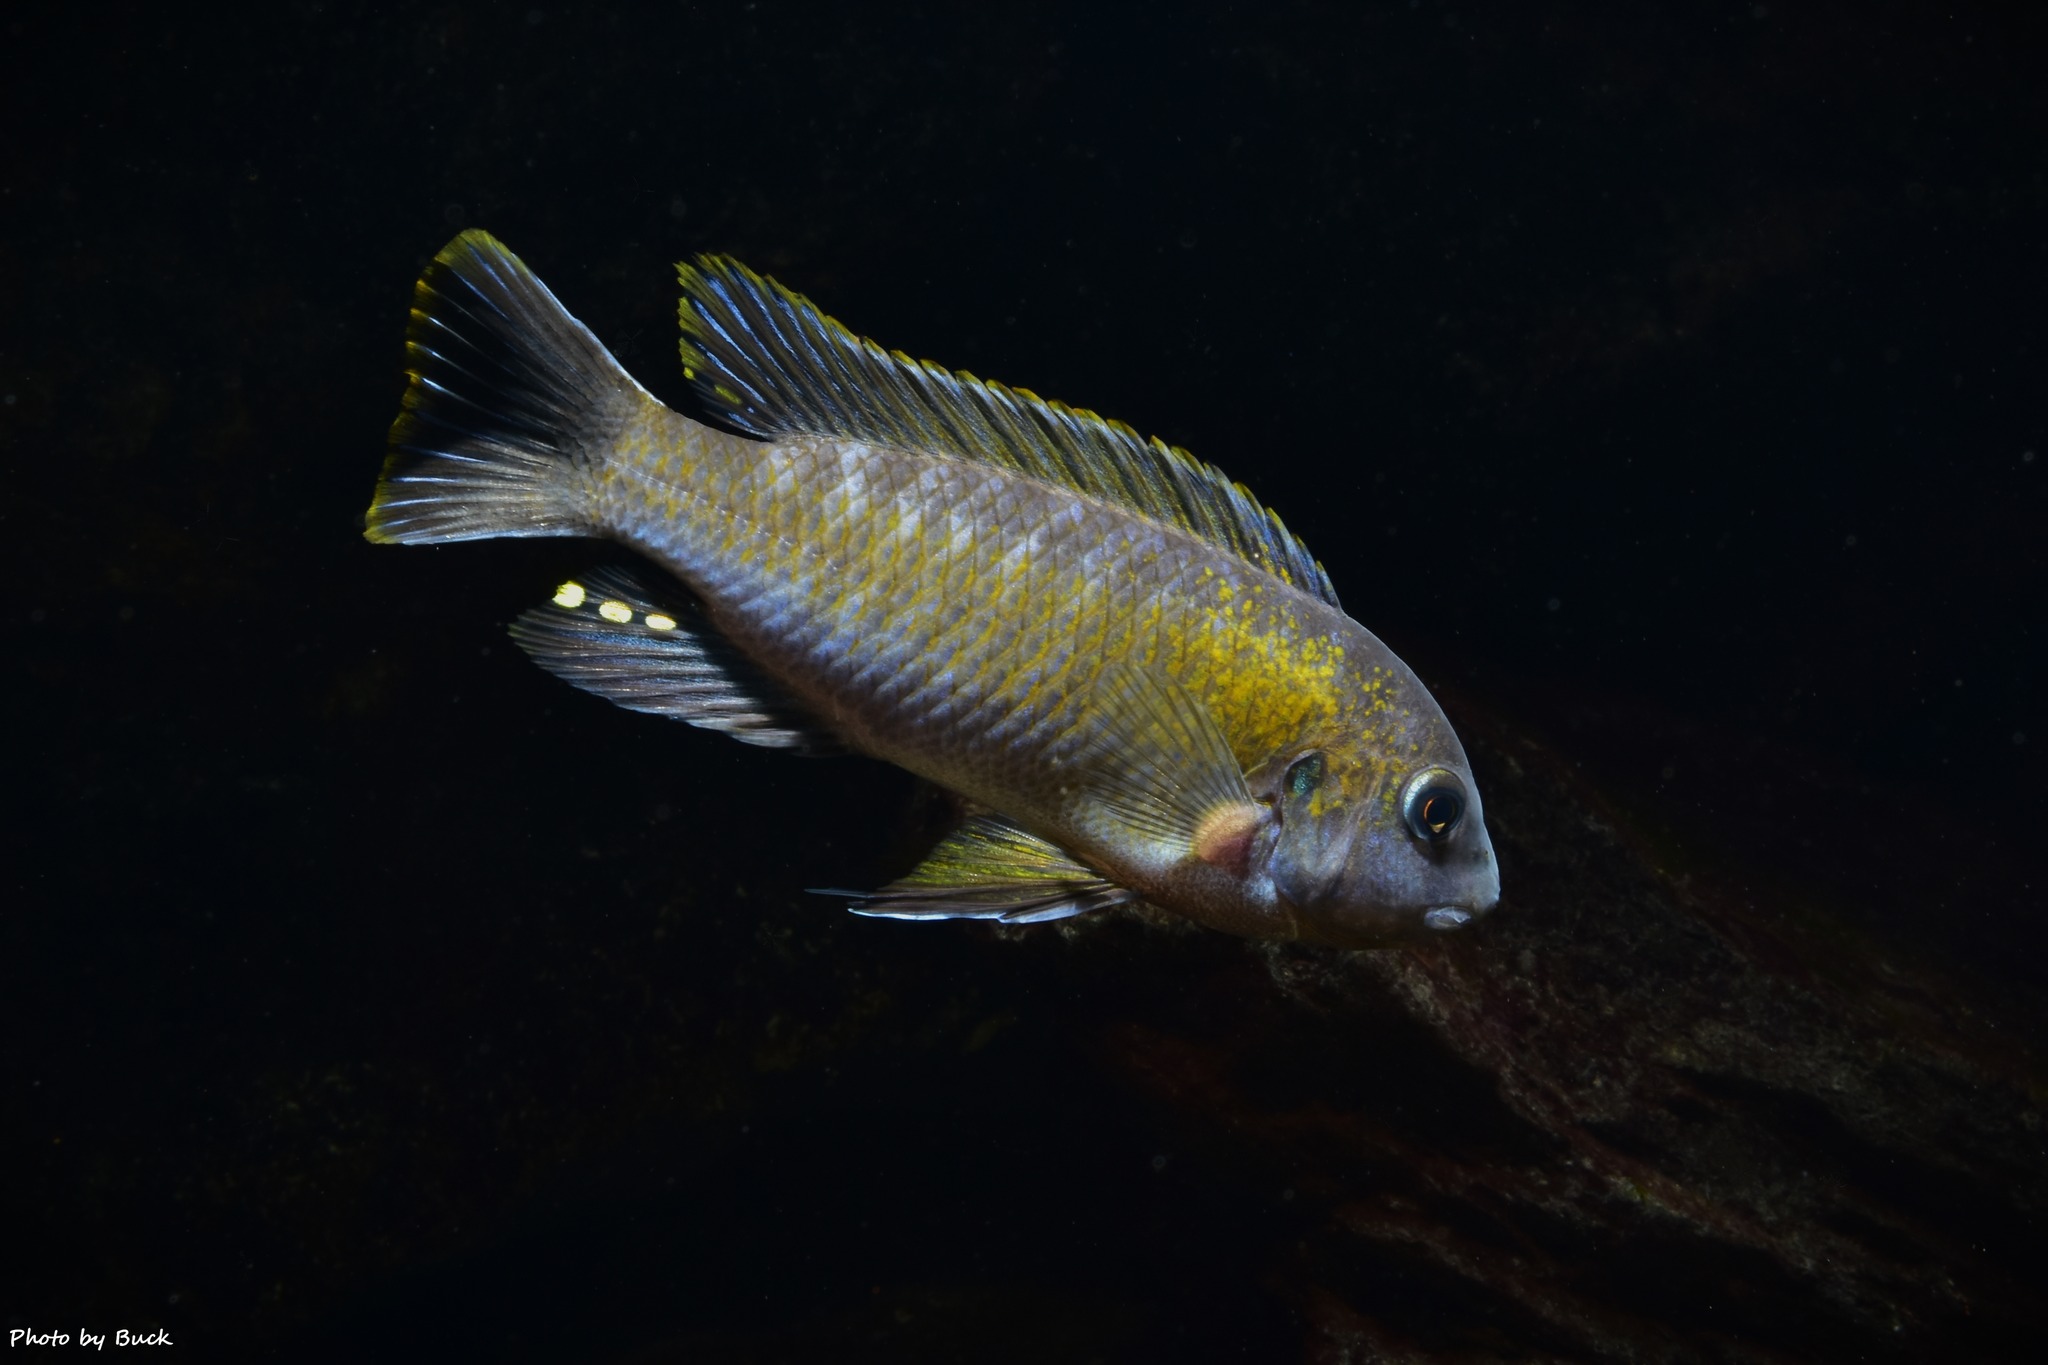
(642, 643)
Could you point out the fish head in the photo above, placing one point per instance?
(1371, 850)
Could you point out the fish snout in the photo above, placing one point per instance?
(1478, 877)
(1388, 892)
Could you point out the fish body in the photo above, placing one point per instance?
(1136, 669)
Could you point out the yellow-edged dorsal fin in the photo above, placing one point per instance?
(769, 362)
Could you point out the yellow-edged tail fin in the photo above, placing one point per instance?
(511, 405)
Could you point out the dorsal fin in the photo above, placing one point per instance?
(769, 362)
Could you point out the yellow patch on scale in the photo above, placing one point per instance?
(656, 621)
(618, 613)
(569, 595)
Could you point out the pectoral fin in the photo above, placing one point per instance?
(1161, 772)
(991, 869)
(655, 651)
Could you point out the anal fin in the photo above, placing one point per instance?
(655, 651)
(991, 869)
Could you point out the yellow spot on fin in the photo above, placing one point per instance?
(638, 643)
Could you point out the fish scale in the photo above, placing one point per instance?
(1132, 666)
(875, 611)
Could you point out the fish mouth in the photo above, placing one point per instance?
(1445, 918)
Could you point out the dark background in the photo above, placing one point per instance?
(1663, 381)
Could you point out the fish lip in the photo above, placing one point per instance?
(1446, 918)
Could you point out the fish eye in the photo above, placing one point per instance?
(1304, 775)
(1434, 805)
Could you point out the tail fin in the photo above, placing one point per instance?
(512, 404)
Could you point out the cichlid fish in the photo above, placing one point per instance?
(1107, 645)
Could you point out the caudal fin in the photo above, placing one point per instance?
(511, 405)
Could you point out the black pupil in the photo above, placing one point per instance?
(1437, 812)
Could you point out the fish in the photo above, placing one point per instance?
(1137, 680)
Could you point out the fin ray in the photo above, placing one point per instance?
(612, 634)
(992, 869)
(766, 360)
(1161, 771)
(505, 389)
